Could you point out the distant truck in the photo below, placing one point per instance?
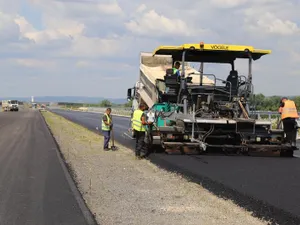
(34, 105)
(10, 105)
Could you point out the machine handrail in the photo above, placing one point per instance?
(210, 74)
(205, 74)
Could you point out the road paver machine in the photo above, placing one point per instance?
(201, 111)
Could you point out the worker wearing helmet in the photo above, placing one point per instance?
(176, 68)
(138, 125)
(289, 114)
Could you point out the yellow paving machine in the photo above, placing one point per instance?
(201, 111)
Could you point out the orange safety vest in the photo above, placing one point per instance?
(289, 110)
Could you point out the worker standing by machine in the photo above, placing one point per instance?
(139, 127)
(289, 114)
(106, 127)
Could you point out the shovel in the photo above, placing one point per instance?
(113, 147)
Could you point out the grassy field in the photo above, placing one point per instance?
(115, 111)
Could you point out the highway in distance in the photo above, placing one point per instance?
(267, 185)
(33, 187)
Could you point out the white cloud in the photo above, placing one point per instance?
(270, 24)
(56, 29)
(24, 25)
(110, 8)
(295, 56)
(8, 29)
(151, 23)
(83, 63)
(141, 8)
(65, 27)
(92, 47)
(80, 43)
(273, 17)
(80, 9)
(228, 3)
(36, 63)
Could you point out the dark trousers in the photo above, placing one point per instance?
(140, 147)
(289, 128)
(106, 135)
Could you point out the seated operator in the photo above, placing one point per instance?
(176, 68)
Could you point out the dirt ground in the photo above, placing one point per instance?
(119, 189)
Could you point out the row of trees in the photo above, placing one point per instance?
(261, 102)
(271, 103)
(104, 103)
(107, 103)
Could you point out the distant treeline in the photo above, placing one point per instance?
(271, 103)
(104, 103)
(261, 102)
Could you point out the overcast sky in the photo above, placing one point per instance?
(91, 47)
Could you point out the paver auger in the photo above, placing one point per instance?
(194, 110)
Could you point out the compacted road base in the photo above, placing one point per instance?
(33, 186)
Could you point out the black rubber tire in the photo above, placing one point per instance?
(287, 154)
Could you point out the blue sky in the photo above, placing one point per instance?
(91, 47)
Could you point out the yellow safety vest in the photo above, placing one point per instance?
(136, 120)
(289, 110)
(104, 126)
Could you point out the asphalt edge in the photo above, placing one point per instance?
(257, 208)
(113, 114)
(94, 131)
(88, 215)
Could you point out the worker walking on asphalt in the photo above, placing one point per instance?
(138, 126)
(106, 127)
(289, 114)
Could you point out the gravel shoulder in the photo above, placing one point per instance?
(121, 190)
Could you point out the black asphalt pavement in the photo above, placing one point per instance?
(34, 189)
(269, 186)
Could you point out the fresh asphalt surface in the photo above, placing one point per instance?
(33, 187)
(267, 185)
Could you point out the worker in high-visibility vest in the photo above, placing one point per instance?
(106, 128)
(138, 125)
(289, 114)
(176, 68)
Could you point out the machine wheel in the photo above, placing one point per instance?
(287, 154)
(156, 149)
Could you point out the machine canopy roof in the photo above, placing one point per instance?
(210, 53)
